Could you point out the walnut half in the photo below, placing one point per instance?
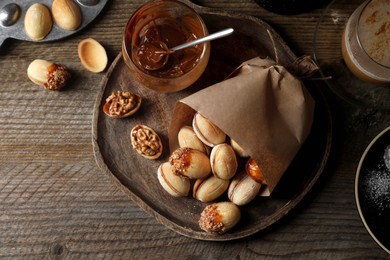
(122, 104)
(146, 142)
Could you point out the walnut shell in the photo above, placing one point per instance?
(50, 75)
(219, 217)
(238, 149)
(37, 21)
(207, 132)
(243, 189)
(190, 163)
(223, 161)
(210, 188)
(187, 138)
(66, 14)
(92, 55)
(175, 185)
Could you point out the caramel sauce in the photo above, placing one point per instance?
(185, 159)
(148, 51)
(214, 215)
(171, 23)
(253, 170)
(181, 159)
(52, 68)
(151, 55)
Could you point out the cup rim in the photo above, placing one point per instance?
(358, 31)
(358, 58)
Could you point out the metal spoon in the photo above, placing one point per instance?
(88, 2)
(207, 38)
(158, 52)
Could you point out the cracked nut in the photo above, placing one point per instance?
(253, 170)
(219, 217)
(210, 188)
(223, 161)
(187, 138)
(122, 104)
(190, 163)
(207, 132)
(175, 185)
(238, 149)
(48, 74)
(243, 189)
(37, 21)
(66, 14)
(146, 142)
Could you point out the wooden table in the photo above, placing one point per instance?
(56, 203)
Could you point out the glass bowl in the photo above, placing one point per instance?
(173, 23)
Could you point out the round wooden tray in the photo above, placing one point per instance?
(137, 176)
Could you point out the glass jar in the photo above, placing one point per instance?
(173, 23)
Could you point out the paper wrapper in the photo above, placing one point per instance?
(261, 106)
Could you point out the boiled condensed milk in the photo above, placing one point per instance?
(366, 42)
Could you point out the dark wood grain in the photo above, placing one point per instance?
(137, 177)
(56, 203)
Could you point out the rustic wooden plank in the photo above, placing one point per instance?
(56, 203)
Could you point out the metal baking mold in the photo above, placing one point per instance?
(89, 10)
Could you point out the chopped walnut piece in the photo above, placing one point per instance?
(219, 217)
(211, 219)
(146, 142)
(122, 104)
(57, 77)
(50, 75)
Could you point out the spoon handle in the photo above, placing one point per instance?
(209, 37)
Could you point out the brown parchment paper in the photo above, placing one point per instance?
(261, 106)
